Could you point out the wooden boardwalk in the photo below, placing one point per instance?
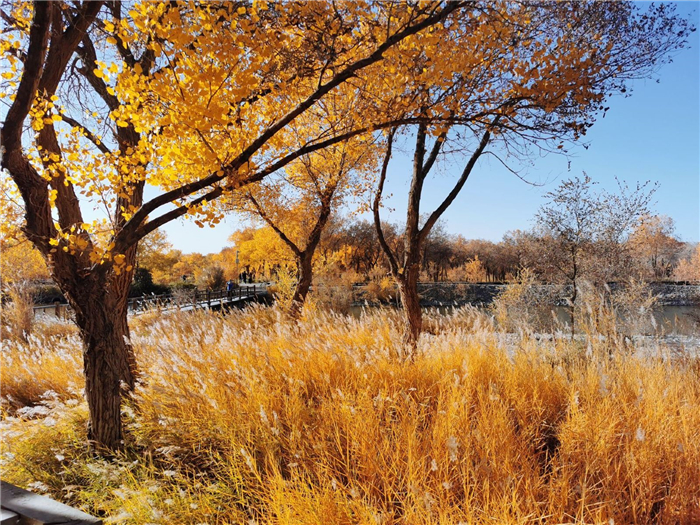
(183, 301)
(21, 507)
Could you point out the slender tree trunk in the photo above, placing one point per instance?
(413, 317)
(572, 314)
(574, 295)
(305, 269)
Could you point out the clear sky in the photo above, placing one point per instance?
(652, 135)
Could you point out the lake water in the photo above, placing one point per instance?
(680, 320)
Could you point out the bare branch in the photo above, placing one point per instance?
(458, 186)
(87, 134)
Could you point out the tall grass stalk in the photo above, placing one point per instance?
(251, 418)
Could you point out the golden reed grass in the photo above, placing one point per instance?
(250, 418)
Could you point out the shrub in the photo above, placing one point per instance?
(526, 305)
(17, 312)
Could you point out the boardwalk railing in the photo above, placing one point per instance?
(21, 507)
(181, 300)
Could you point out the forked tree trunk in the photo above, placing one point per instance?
(109, 363)
(305, 269)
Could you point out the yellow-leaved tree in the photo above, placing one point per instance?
(516, 77)
(191, 99)
(297, 202)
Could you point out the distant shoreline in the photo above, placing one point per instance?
(460, 294)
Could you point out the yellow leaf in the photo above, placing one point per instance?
(111, 40)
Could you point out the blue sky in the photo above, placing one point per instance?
(652, 135)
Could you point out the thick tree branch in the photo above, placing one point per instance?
(64, 44)
(133, 232)
(264, 216)
(88, 55)
(33, 188)
(377, 200)
(416, 189)
(31, 76)
(231, 169)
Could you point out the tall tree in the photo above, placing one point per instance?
(192, 98)
(298, 203)
(581, 231)
(655, 246)
(528, 74)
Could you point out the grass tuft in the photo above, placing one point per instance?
(253, 418)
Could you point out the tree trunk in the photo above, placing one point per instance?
(109, 363)
(305, 269)
(574, 295)
(109, 367)
(572, 310)
(413, 317)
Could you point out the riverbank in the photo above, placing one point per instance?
(460, 294)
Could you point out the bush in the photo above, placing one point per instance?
(143, 284)
(213, 278)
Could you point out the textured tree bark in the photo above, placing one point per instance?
(305, 267)
(109, 368)
(109, 364)
(413, 317)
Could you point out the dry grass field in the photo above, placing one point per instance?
(250, 418)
